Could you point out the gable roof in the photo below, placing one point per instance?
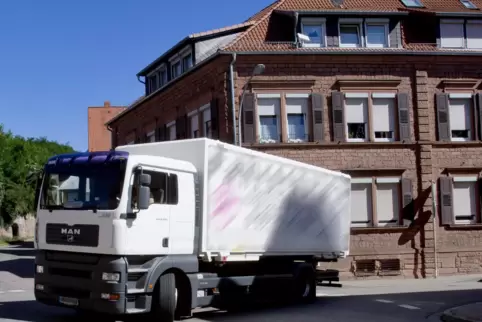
(253, 39)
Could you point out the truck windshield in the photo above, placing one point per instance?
(93, 186)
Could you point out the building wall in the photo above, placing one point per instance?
(99, 136)
(409, 249)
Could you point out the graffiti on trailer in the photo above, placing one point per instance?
(225, 200)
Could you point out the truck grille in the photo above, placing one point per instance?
(76, 235)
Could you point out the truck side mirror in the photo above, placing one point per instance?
(144, 190)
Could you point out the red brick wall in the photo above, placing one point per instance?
(422, 160)
(99, 136)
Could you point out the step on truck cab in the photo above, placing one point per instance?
(163, 228)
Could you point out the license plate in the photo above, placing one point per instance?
(68, 301)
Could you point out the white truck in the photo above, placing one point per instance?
(167, 227)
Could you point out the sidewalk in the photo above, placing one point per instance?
(465, 313)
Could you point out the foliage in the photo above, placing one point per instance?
(21, 160)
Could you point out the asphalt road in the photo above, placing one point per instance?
(376, 301)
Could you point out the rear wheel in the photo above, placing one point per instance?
(305, 286)
(164, 301)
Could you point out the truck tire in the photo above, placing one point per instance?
(164, 301)
(305, 287)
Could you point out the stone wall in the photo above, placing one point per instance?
(23, 227)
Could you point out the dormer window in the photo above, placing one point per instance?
(460, 34)
(350, 33)
(186, 62)
(315, 29)
(376, 31)
(176, 69)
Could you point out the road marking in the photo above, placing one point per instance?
(410, 307)
(384, 301)
(328, 294)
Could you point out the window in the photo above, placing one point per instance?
(171, 130)
(460, 113)
(474, 34)
(296, 115)
(468, 4)
(350, 33)
(452, 34)
(164, 188)
(315, 29)
(377, 33)
(356, 111)
(130, 143)
(464, 200)
(207, 123)
(162, 77)
(176, 69)
(186, 62)
(375, 202)
(383, 106)
(151, 137)
(152, 83)
(412, 3)
(195, 126)
(269, 112)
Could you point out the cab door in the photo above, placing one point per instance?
(150, 229)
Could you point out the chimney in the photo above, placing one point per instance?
(106, 104)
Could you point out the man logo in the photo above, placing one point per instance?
(70, 238)
(70, 231)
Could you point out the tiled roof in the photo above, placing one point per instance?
(253, 39)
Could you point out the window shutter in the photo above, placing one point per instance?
(446, 204)
(161, 133)
(403, 117)
(338, 116)
(478, 106)
(443, 117)
(144, 138)
(408, 212)
(179, 128)
(317, 106)
(249, 135)
(215, 118)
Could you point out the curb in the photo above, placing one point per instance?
(451, 315)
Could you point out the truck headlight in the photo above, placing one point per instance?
(111, 277)
(40, 269)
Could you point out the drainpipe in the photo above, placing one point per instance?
(139, 79)
(434, 213)
(296, 29)
(233, 105)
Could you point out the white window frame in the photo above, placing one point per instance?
(168, 127)
(357, 95)
(131, 142)
(352, 21)
(377, 22)
(305, 114)
(467, 96)
(151, 134)
(390, 96)
(367, 181)
(466, 40)
(470, 179)
(314, 22)
(277, 114)
(202, 109)
(190, 116)
(385, 180)
(453, 21)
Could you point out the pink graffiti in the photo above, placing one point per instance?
(225, 200)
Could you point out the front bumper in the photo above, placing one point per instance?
(78, 277)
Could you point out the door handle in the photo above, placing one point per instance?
(165, 242)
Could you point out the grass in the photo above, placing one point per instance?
(7, 241)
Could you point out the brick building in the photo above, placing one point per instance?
(388, 92)
(98, 135)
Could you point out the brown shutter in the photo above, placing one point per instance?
(179, 128)
(403, 117)
(443, 117)
(214, 118)
(249, 135)
(337, 106)
(478, 108)
(408, 212)
(446, 204)
(317, 106)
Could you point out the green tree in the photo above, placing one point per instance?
(21, 160)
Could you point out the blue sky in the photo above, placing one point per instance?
(60, 56)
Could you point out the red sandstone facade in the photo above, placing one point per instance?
(431, 95)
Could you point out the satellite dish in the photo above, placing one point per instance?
(303, 37)
(338, 3)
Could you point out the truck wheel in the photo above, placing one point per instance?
(164, 301)
(305, 286)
